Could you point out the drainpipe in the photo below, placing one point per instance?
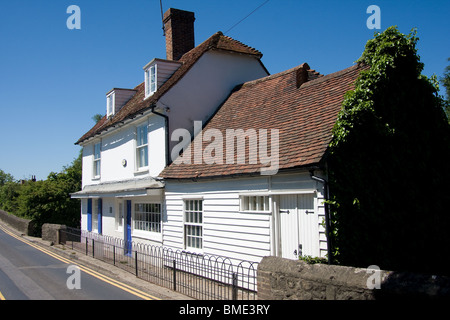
(327, 218)
(166, 118)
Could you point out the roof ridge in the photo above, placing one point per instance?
(276, 75)
(304, 119)
(334, 74)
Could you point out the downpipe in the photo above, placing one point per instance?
(327, 213)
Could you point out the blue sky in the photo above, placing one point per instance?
(53, 80)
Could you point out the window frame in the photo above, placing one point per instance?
(120, 215)
(151, 80)
(143, 146)
(255, 203)
(96, 161)
(196, 225)
(95, 215)
(110, 110)
(150, 221)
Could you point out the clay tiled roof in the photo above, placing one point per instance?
(299, 102)
(136, 105)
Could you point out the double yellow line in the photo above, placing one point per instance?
(89, 271)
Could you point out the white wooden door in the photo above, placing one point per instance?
(299, 229)
(289, 235)
(308, 226)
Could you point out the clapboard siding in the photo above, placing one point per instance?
(227, 231)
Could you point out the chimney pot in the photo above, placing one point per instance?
(179, 31)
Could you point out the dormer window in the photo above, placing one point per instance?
(110, 105)
(157, 72)
(150, 81)
(116, 99)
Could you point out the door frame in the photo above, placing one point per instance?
(127, 227)
(276, 246)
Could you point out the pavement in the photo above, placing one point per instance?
(104, 268)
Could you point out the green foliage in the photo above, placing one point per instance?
(46, 201)
(313, 260)
(8, 194)
(388, 165)
(97, 117)
(446, 82)
(5, 178)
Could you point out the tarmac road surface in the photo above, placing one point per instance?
(32, 272)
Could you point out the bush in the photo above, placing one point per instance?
(46, 201)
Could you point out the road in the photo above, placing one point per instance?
(31, 272)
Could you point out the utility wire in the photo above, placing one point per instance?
(162, 18)
(247, 16)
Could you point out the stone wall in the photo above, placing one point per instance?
(50, 232)
(283, 279)
(24, 226)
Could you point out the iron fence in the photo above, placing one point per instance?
(199, 276)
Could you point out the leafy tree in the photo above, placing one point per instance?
(97, 117)
(446, 82)
(388, 164)
(46, 201)
(8, 191)
(5, 178)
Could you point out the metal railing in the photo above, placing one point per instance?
(199, 276)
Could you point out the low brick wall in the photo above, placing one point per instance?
(283, 279)
(24, 226)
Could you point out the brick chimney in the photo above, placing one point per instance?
(179, 31)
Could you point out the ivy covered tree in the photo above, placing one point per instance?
(389, 164)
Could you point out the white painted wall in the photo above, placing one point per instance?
(228, 231)
(195, 97)
(120, 144)
(110, 212)
(206, 86)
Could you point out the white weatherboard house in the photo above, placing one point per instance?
(236, 208)
(250, 184)
(124, 153)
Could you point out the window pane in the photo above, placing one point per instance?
(120, 219)
(245, 203)
(97, 151)
(142, 157)
(97, 167)
(142, 133)
(153, 79)
(147, 217)
(255, 203)
(110, 104)
(193, 220)
(147, 82)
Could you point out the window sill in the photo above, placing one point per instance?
(193, 251)
(253, 212)
(147, 235)
(148, 95)
(141, 171)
